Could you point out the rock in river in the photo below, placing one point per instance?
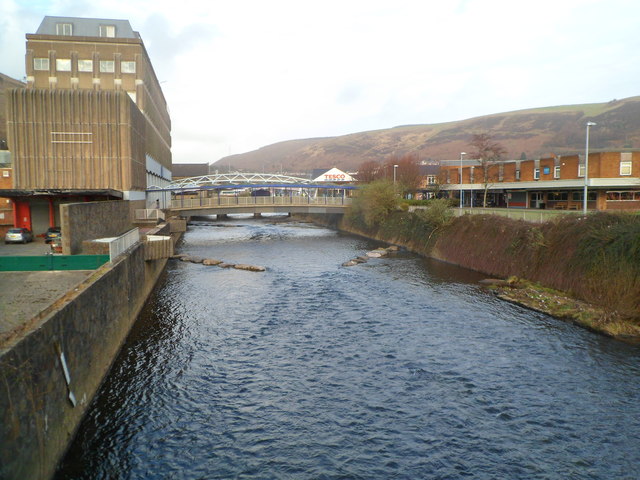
(250, 268)
(211, 261)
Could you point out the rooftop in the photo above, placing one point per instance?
(86, 27)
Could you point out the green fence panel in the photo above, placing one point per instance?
(41, 263)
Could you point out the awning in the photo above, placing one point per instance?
(57, 192)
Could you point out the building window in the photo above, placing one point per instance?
(64, 29)
(41, 64)
(581, 170)
(85, 65)
(558, 196)
(128, 67)
(625, 168)
(107, 66)
(556, 171)
(108, 31)
(431, 179)
(71, 137)
(536, 174)
(628, 196)
(517, 174)
(613, 196)
(578, 196)
(63, 65)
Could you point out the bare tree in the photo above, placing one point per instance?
(368, 171)
(407, 172)
(488, 153)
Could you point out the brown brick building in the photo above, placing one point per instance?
(555, 182)
(91, 124)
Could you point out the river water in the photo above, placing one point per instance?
(400, 368)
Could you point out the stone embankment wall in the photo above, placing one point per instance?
(37, 418)
(593, 260)
(91, 220)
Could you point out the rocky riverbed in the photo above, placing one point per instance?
(377, 253)
(212, 262)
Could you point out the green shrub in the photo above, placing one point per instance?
(373, 203)
(437, 214)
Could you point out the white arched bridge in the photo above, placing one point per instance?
(237, 192)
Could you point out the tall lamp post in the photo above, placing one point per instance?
(394, 173)
(586, 170)
(462, 154)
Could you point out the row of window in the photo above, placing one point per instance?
(625, 170)
(623, 196)
(64, 65)
(108, 31)
(573, 196)
(564, 196)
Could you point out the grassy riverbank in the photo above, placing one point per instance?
(584, 269)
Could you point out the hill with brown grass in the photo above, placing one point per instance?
(534, 133)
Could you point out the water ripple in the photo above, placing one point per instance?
(401, 368)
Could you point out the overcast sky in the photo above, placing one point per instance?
(241, 74)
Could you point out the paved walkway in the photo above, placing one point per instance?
(25, 294)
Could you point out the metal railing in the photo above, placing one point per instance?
(224, 201)
(526, 214)
(121, 244)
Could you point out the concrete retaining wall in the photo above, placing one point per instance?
(87, 221)
(37, 419)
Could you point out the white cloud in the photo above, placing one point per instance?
(240, 75)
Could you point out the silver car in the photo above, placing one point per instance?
(18, 235)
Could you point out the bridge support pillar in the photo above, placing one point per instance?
(257, 215)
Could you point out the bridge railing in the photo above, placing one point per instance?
(229, 201)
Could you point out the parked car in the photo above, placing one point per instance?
(53, 233)
(18, 235)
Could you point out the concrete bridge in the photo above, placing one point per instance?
(272, 204)
(253, 193)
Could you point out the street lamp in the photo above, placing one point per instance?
(462, 154)
(586, 170)
(394, 173)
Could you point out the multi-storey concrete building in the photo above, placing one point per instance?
(91, 124)
(555, 182)
(6, 172)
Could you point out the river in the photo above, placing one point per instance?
(400, 368)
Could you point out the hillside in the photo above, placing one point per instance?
(533, 132)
